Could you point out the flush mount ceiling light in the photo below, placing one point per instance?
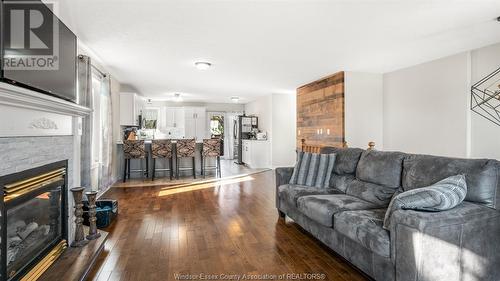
(202, 65)
(177, 97)
(235, 99)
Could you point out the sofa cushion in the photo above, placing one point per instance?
(365, 227)
(313, 169)
(346, 160)
(321, 208)
(482, 176)
(341, 182)
(291, 192)
(441, 196)
(379, 195)
(381, 167)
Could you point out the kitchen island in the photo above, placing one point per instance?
(162, 163)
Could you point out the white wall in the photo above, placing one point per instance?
(277, 116)
(284, 127)
(363, 109)
(427, 107)
(262, 107)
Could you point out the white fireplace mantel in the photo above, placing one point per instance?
(11, 95)
(24, 112)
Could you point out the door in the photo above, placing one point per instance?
(246, 153)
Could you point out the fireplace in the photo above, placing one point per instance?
(33, 220)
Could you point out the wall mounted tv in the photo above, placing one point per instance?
(38, 50)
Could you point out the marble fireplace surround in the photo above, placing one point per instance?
(38, 129)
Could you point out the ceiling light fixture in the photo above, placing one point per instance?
(202, 65)
(235, 99)
(498, 19)
(177, 97)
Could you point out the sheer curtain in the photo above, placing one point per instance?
(97, 147)
(85, 98)
(106, 122)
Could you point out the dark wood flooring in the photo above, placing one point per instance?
(229, 227)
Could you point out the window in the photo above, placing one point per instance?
(217, 126)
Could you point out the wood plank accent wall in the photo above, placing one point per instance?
(320, 112)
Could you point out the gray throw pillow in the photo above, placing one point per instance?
(313, 169)
(441, 196)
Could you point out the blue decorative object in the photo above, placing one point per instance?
(106, 212)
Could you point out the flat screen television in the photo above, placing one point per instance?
(39, 51)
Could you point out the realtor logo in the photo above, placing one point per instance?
(31, 36)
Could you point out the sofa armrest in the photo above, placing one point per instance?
(458, 244)
(464, 213)
(283, 176)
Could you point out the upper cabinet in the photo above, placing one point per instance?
(130, 106)
(195, 123)
(174, 117)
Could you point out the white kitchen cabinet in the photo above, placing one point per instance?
(175, 117)
(256, 153)
(130, 106)
(195, 119)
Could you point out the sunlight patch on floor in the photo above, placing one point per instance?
(202, 185)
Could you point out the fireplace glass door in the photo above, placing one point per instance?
(33, 220)
(32, 227)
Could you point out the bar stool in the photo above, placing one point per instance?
(211, 148)
(134, 149)
(185, 148)
(161, 149)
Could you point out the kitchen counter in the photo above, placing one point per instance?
(149, 142)
(255, 153)
(163, 163)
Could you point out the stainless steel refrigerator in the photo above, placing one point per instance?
(243, 129)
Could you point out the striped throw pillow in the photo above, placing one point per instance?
(441, 196)
(313, 169)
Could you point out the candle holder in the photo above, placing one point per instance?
(79, 240)
(93, 233)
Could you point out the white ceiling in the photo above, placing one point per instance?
(261, 47)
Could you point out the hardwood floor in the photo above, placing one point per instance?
(228, 169)
(231, 227)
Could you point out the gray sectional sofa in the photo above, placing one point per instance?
(462, 243)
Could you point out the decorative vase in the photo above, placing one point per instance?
(93, 233)
(79, 240)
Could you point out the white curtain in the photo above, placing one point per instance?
(97, 147)
(85, 98)
(105, 173)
